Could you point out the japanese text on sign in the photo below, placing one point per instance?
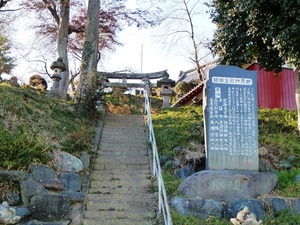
(231, 120)
(232, 80)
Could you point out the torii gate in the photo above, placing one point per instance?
(165, 83)
(145, 77)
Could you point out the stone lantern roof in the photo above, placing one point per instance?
(58, 64)
(166, 81)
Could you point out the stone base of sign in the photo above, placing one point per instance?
(228, 185)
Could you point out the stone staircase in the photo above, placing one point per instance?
(121, 190)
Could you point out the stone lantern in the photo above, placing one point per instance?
(58, 67)
(165, 84)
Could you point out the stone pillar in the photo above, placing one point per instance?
(58, 67)
(165, 83)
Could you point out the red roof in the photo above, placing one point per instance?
(190, 95)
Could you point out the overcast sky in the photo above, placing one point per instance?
(142, 50)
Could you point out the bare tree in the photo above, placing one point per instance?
(182, 21)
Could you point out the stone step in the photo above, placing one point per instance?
(122, 118)
(129, 206)
(124, 167)
(132, 139)
(121, 197)
(129, 141)
(121, 190)
(115, 222)
(114, 128)
(115, 145)
(133, 160)
(110, 128)
(117, 172)
(123, 148)
(122, 153)
(104, 178)
(114, 136)
(120, 183)
(140, 138)
(110, 215)
(122, 128)
(124, 122)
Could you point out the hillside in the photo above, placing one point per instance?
(180, 139)
(32, 126)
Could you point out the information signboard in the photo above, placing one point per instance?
(231, 123)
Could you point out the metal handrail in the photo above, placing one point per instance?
(163, 205)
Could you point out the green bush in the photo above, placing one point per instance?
(171, 183)
(182, 88)
(287, 184)
(178, 219)
(77, 141)
(19, 150)
(282, 218)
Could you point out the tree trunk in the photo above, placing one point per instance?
(87, 78)
(62, 43)
(298, 96)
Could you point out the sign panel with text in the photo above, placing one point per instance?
(231, 123)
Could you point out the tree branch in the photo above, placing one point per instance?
(52, 10)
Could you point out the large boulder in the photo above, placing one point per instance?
(276, 204)
(228, 185)
(66, 162)
(42, 172)
(255, 206)
(50, 207)
(74, 196)
(85, 159)
(185, 172)
(46, 176)
(71, 181)
(295, 205)
(201, 208)
(30, 188)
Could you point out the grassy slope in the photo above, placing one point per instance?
(277, 133)
(32, 126)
